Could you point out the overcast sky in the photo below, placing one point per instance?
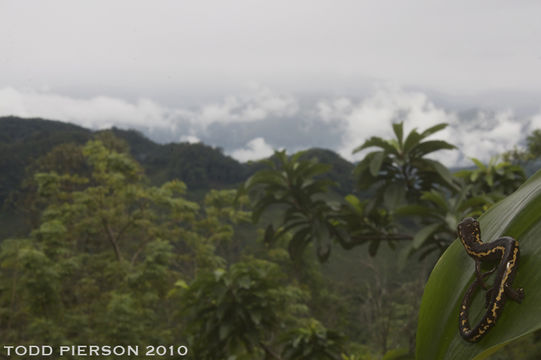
(251, 76)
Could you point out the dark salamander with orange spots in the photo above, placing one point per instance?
(505, 249)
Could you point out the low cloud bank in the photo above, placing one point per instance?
(255, 149)
(480, 133)
(250, 126)
(96, 113)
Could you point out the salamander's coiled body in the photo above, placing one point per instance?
(506, 250)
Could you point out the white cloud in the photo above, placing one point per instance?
(103, 112)
(96, 113)
(374, 115)
(260, 104)
(487, 134)
(255, 149)
(341, 123)
(192, 139)
(535, 123)
(331, 111)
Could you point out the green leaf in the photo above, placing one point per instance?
(218, 274)
(423, 234)
(355, 203)
(181, 284)
(437, 198)
(443, 172)
(415, 210)
(433, 129)
(399, 132)
(378, 142)
(323, 246)
(479, 164)
(375, 163)
(464, 173)
(398, 354)
(256, 317)
(224, 330)
(244, 282)
(490, 179)
(298, 243)
(474, 202)
(315, 169)
(394, 196)
(412, 140)
(403, 256)
(519, 216)
(261, 206)
(428, 147)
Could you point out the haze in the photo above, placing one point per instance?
(253, 76)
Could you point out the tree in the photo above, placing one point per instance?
(396, 173)
(400, 164)
(313, 341)
(238, 311)
(438, 215)
(292, 184)
(496, 179)
(105, 255)
(534, 143)
(299, 189)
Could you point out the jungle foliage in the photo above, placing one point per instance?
(298, 263)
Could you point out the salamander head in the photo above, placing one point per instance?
(469, 221)
(469, 230)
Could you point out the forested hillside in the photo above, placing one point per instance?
(200, 167)
(109, 238)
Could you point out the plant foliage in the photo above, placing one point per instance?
(519, 216)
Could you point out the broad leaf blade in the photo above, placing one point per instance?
(428, 147)
(378, 142)
(443, 172)
(398, 129)
(375, 164)
(424, 234)
(433, 129)
(519, 216)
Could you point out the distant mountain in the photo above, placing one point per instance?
(341, 172)
(199, 166)
(17, 130)
(23, 140)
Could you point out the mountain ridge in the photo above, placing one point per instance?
(200, 166)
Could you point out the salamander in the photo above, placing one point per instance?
(506, 250)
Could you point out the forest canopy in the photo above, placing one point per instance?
(109, 238)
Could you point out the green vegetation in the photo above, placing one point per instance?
(401, 166)
(109, 238)
(519, 216)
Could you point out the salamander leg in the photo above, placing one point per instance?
(481, 275)
(514, 294)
